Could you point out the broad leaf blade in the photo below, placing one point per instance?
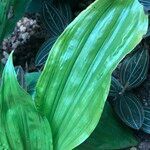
(130, 110)
(109, 134)
(21, 126)
(134, 69)
(75, 82)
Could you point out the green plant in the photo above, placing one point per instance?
(132, 72)
(10, 13)
(73, 87)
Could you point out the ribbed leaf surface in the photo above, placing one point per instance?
(130, 110)
(109, 134)
(146, 123)
(134, 69)
(21, 127)
(75, 82)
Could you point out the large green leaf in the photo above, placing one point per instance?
(75, 82)
(10, 12)
(109, 134)
(21, 127)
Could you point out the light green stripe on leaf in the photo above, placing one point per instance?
(75, 82)
(21, 127)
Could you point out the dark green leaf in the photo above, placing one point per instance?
(53, 19)
(134, 69)
(43, 52)
(21, 127)
(109, 134)
(115, 88)
(146, 123)
(130, 110)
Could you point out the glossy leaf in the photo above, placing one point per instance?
(43, 52)
(21, 127)
(116, 88)
(10, 12)
(31, 80)
(134, 69)
(130, 110)
(146, 123)
(109, 134)
(75, 82)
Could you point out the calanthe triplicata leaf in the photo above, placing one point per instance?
(74, 84)
(109, 134)
(21, 127)
(133, 70)
(130, 110)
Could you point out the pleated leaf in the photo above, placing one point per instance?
(10, 12)
(130, 110)
(109, 134)
(115, 88)
(146, 123)
(43, 52)
(21, 127)
(75, 82)
(134, 69)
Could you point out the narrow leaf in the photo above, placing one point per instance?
(75, 82)
(130, 110)
(21, 127)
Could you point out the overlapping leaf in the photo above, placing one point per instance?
(109, 134)
(21, 127)
(75, 82)
(146, 4)
(134, 69)
(130, 110)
